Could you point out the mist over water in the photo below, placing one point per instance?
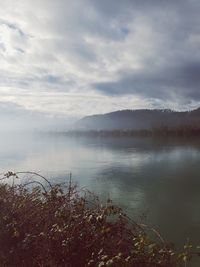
(15, 118)
(157, 177)
(136, 65)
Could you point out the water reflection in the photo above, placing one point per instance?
(153, 176)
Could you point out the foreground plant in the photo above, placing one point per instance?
(62, 226)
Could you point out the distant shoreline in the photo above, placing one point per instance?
(158, 132)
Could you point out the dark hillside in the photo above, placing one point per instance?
(143, 119)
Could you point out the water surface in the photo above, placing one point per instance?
(156, 177)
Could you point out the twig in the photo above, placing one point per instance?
(36, 182)
(36, 174)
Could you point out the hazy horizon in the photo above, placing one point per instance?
(63, 60)
(18, 121)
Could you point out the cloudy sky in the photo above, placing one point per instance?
(75, 58)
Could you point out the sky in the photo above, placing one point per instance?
(67, 59)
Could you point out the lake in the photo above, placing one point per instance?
(157, 179)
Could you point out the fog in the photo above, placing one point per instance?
(15, 118)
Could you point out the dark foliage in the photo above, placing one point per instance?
(66, 227)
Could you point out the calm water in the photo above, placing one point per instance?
(156, 177)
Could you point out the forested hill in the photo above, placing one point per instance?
(143, 119)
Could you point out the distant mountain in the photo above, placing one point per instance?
(143, 119)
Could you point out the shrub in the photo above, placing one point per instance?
(63, 226)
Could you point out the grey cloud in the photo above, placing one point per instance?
(18, 38)
(89, 17)
(181, 81)
(13, 27)
(173, 70)
(150, 49)
(40, 81)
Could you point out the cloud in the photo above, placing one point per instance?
(168, 48)
(82, 57)
(177, 82)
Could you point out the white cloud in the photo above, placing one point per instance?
(53, 53)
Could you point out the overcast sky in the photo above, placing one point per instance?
(75, 58)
